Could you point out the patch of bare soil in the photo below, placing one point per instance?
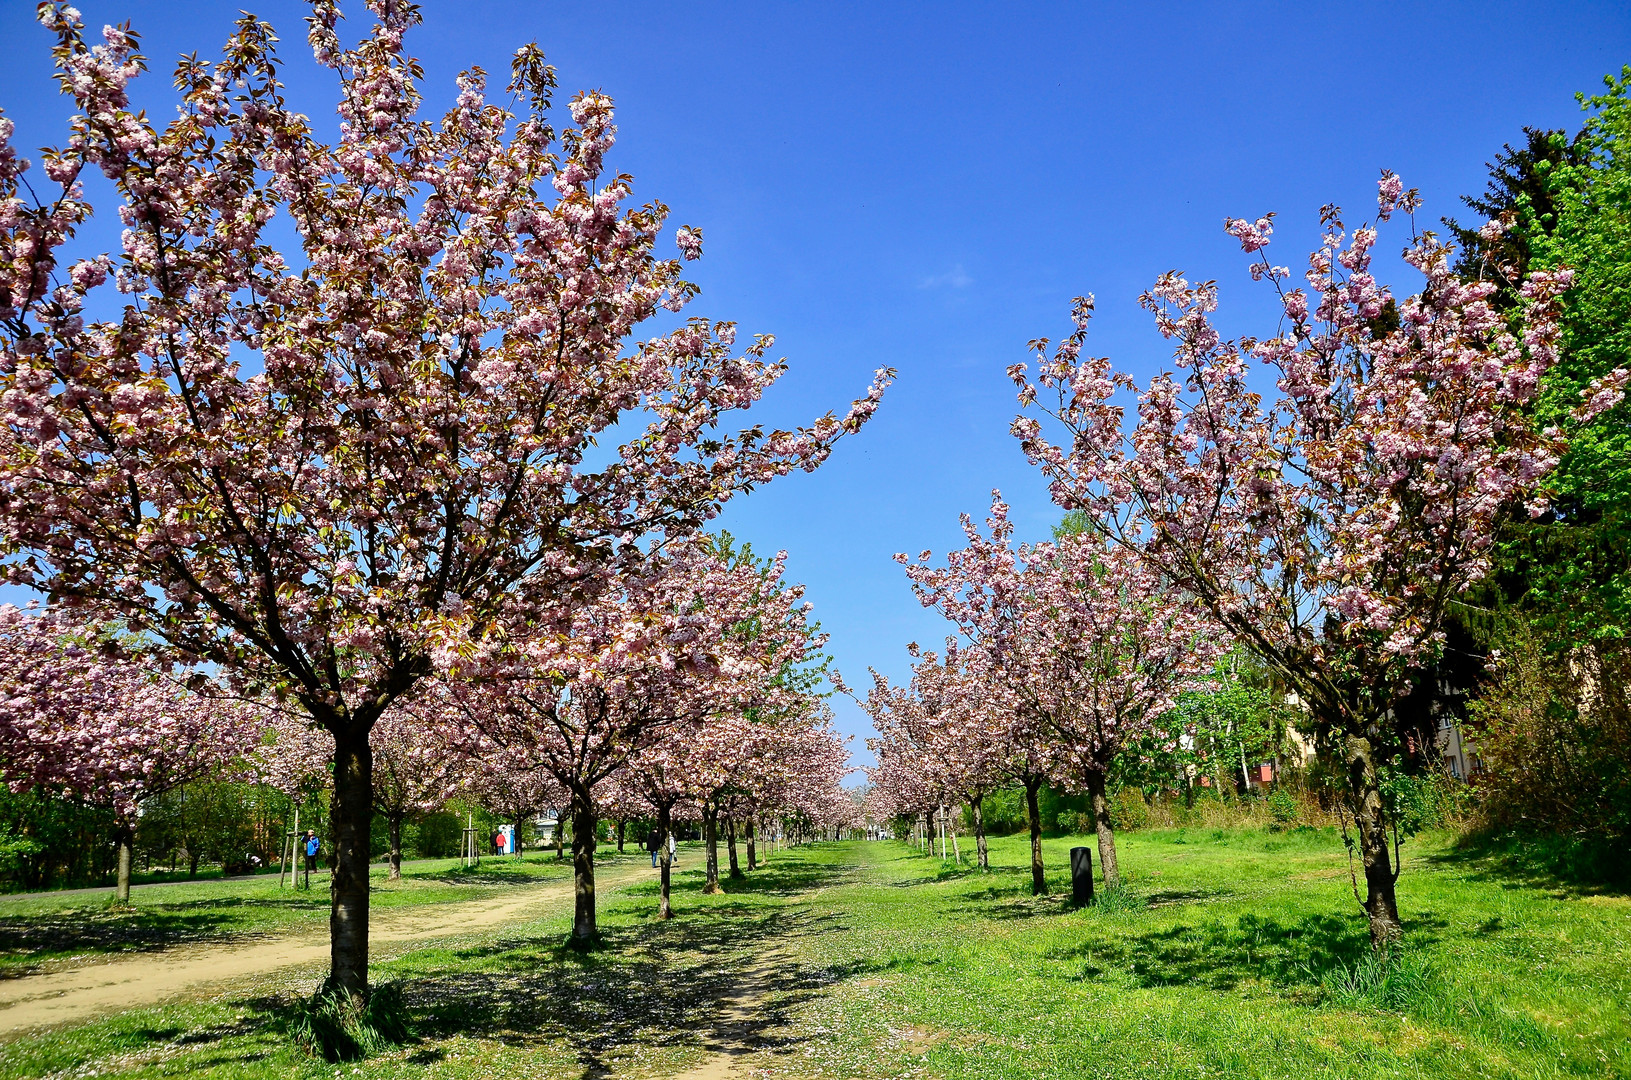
(61, 997)
(736, 1030)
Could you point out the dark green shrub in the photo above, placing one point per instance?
(1128, 810)
(1282, 808)
(435, 837)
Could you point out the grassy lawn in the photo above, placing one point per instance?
(1242, 954)
(1245, 957)
(49, 927)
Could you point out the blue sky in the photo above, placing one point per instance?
(926, 187)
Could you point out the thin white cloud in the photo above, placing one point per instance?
(955, 278)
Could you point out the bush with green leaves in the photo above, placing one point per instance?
(1553, 737)
(1283, 808)
(1128, 810)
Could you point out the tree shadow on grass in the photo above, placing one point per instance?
(786, 879)
(1221, 955)
(653, 985)
(491, 875)
(1008, 904)
(713, 980)
(950, 873)
(1175, 897)
(1560, 865)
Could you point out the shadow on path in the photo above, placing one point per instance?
(718, 979)
(26, 941)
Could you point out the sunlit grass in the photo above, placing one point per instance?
(1233, 954)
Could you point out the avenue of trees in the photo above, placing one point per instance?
(349, 429)
(349, 481)
(1415, 472)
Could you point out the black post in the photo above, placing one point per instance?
(1081, 876)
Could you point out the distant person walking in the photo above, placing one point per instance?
(313, 846)
(654, 844)
(673, 852)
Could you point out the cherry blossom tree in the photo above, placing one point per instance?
(1328, 527)
(293, 758)
(416, 767)
(948, 728)
(1091, 641)
(670, 772)
(806, 789)
(81, 717)
(1004, 738)
(308, 466)
(579, 689)
(515, 790)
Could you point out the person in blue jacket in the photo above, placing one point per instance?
(313, 846)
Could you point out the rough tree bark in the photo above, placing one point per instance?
(126, 841)
(621, 824)
(1039, 881)
(730, 844)
(982, 852)
(1104, 829)
(1364, 797)
(753, 855)
(351, 823)
(393, 825)
(584, 827)
(664, 826)
(710, 828)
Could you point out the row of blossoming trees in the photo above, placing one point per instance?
(1320, 495)
(362, 432)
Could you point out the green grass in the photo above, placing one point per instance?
(1236, 954)
(48, 927)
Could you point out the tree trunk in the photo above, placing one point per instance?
(584, 828)
(730, 844)
(664, 910)
(982, 852)
(1039, 881)
(560, 837)
(710, 829)
(1365, 803)
(193, 855)
(753, 855)
(121, 891)
(351, 820)
(515, 837)
(620, 826)
(1104, 829)
(393, 825)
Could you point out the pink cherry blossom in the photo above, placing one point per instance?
(1331, 524)
(317, 466)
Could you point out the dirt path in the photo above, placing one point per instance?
(738, 1022)
(135, 982)
(741, 1023)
